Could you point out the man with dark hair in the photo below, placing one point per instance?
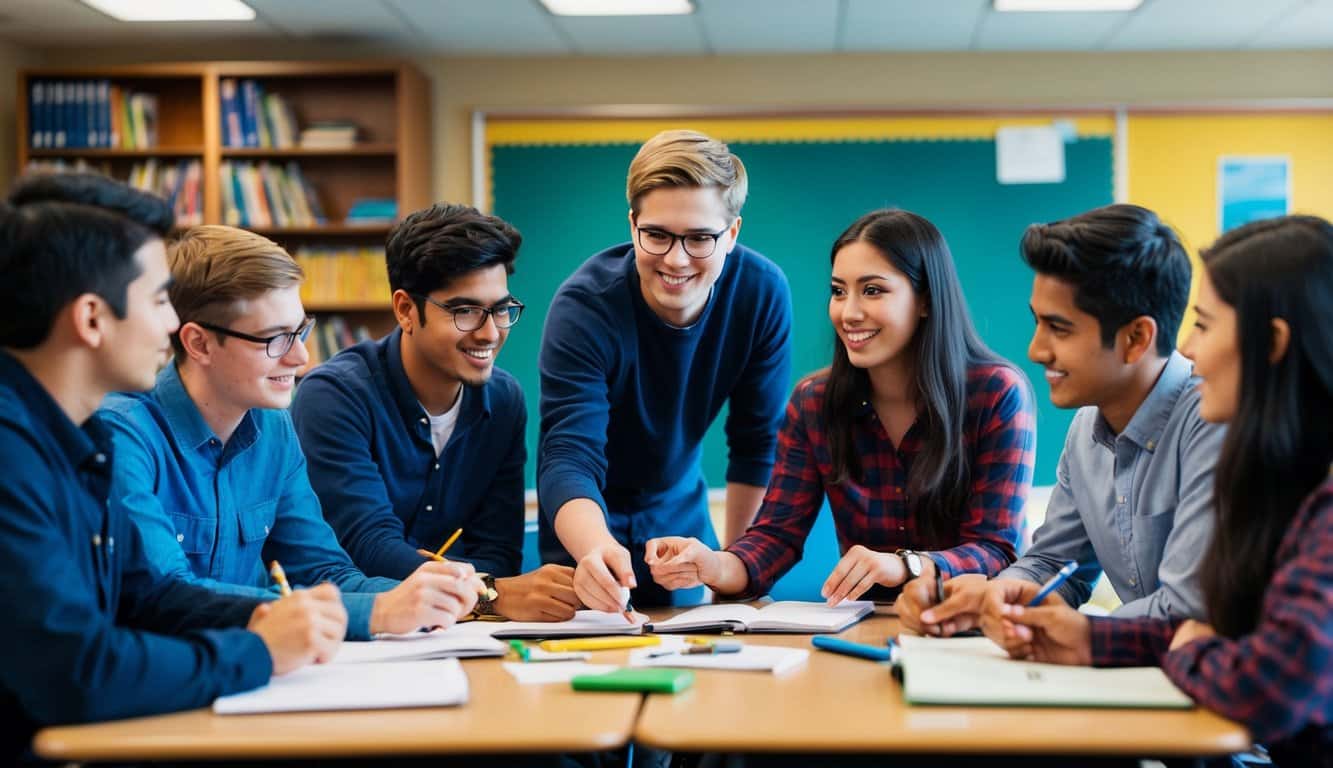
(417, 435)
(1134, 484)
(91, 632)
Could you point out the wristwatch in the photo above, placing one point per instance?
(486, 603)
(911, 561)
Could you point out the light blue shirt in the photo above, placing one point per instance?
(215, 514)
(1137, 505)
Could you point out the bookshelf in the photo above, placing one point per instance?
(388, 103)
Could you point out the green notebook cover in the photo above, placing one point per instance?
(636, 679)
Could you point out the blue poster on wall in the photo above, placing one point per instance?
(1251, 188)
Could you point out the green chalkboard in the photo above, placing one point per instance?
(569, 202)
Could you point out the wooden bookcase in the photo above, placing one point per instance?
(389, 101)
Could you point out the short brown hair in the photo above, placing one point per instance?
(214, 267)
(682, 158)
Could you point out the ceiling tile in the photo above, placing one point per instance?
(632, 35)
(1307, 26)
(758, 26)
(341, 18)
(1045, 31)
(501, 27)
(910, 25)
(1196, 24)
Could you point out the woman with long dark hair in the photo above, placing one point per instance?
(921, 437)
(1263, 345)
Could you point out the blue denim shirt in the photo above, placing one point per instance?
(384, 490)
(90, 631)
(216, 514)
(1137, 505)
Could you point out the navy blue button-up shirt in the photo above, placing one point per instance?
(91, 632)
(368, 446)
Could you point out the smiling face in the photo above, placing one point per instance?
(140, 343)
(1214, 347)
(872, 306)
(442, 353)
(1067, 342)
(241, 371)
(676, 286)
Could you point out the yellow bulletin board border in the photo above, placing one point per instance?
(607, 127)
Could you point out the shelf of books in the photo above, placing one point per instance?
(321, 157)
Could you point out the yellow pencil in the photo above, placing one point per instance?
(439, 553)
(280, 576)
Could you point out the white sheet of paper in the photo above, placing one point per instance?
(584, 624)
(371, 685)
(750, 658)
(553, 671)
(1029, 154)
(439, 644)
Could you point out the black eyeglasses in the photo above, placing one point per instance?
(470, 317)
(275, 346)
(659, 242)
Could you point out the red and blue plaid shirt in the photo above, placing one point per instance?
(874, 512)
(1276, 680)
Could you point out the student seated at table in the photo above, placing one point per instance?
(208, 465)
(1134, 483)
(417, 435)
(1264, 657)
(92, 632)
(922, 437)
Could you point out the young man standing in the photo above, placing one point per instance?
(92, 632)
(417, 435)
(209, 467)
(643, 345)
(1134, 484)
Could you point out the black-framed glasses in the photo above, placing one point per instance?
(275, 346)
(659, 242)
(470, 317)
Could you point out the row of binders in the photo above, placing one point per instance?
(268, 195)
(94, 114)
(343, 275)
(180, 183)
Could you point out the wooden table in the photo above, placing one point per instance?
(502, 717)
(840, 704)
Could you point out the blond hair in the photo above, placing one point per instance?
(683, 158)
(214, 268)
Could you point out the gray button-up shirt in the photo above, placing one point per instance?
(1137, 505)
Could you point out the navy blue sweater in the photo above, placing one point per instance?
(626, 398)
(384, 491)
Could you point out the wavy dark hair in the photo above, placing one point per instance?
(944, 346)
(1278, 445)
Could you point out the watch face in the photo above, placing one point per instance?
(913, 563)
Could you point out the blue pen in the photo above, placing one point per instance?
(847, 647)
(1054, 582)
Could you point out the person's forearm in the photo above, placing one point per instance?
(581, 527)
(743, 502)
(733, 578)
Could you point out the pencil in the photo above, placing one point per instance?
(280, 576)
(439, 553)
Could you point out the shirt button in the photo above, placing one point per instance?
(180, 537)
(897, 489)
(100, 458)
(437, 465)
(1122, 499)
(425, 420)
(429, 507)
(1131, 582)
(266, 530)
(1152, 444)
(902, 527)
(97, 539)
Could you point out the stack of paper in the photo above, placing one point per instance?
(418, 646)
(750, 658)
(974, 671)
(584, 624)
(355, 686)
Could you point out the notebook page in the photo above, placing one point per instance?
(354, 686)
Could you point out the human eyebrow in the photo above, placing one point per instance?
(1201, 312)
(867, 278)
(166, 285)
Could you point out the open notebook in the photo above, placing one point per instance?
(976, 672)
(417, 646)
(372, 685)
(785, 616)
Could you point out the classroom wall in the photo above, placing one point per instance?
(789, 82)
(12, 58)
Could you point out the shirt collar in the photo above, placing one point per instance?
(476, 400)
(1146, 425)
(82, 445)
(185, 420)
